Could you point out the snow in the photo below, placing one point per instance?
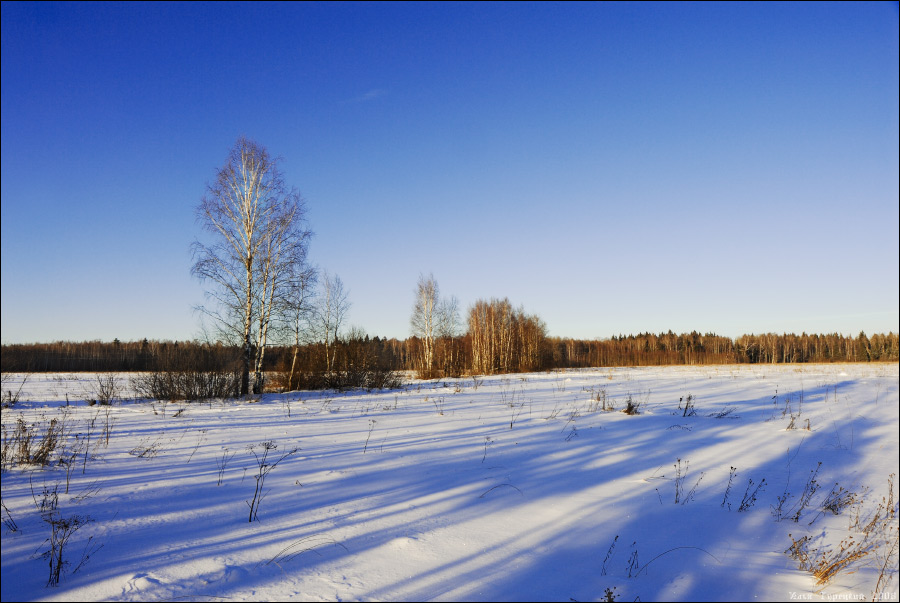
(512, 487)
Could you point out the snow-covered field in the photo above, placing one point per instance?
(513, 487)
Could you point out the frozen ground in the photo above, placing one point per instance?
(514, 487)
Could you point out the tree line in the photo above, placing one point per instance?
(279, 322)
(648, 349)
(501, 339)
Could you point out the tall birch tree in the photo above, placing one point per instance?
(298, 312)
(424, 319)
(258, 236)
(330, 313)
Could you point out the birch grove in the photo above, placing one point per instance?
(505, 339)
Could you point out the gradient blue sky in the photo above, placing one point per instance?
(614, 168)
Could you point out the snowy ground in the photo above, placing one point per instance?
(514, 487)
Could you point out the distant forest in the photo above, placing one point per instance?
(284, 320)
(519, 347)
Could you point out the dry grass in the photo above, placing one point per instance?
(25, 444)
(876, 536)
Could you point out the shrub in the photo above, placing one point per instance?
(171, 385)
(632, 406)
(196, 374)
(689, 409)
(9, 397)
(265, 467)
(61, 531)
(23, 444)
(105, 390)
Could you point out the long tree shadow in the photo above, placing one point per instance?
(543, 498)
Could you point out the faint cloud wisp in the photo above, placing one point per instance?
(368, 96)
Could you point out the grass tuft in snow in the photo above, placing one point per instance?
(264, 468)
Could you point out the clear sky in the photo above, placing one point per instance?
(614, 168)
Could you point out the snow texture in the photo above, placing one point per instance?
(514, 487)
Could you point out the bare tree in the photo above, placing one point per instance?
(330, 313)
(424, 318)
(448, 322)
(434, 320)
(298, 312)
(258, 235)
(449, 328)
(282, 263)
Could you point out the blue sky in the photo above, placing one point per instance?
(614, 168)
